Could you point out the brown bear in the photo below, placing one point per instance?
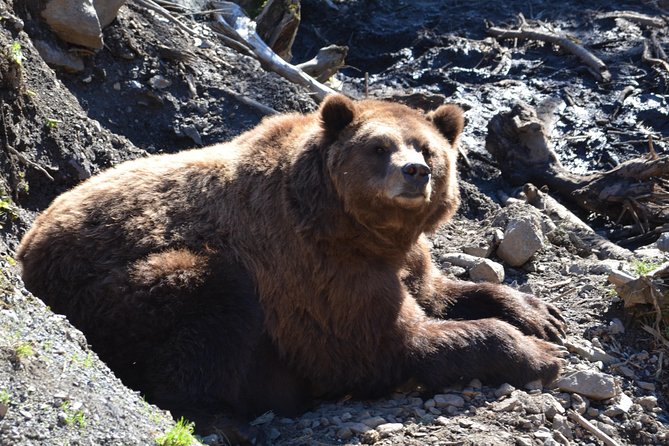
(285, 265)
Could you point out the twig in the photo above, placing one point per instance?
(153, 6)
(594, 430)
(636, 17)
(594, 64)
(262, 108)
(647, 57)
(239, 27)
(15, 152)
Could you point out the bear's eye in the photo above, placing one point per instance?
(427, 154)
(380, 150)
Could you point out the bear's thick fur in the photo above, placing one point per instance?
(287, 264)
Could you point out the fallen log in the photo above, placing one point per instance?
(636, 191)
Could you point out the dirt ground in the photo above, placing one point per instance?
(58, 128)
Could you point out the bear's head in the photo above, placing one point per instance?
(392, 167)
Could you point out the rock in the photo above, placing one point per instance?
(57, 58)
(616, 327)
(387, 429)
(579, 403)
(646, 386)
(561, 425)
(647, 402)
(74, 21)
(107, 10)
(586, 350)
(552, 406)
(623, 405)
(534, 385)
(593, 384)
(507, 405)
(373, 421)
(524, 441)
(449, 399)
(358, 428)
(487, 271)
(522, 239)
(662, 242)
(370, 437)
(484, 248)
(3, 410)
(504, 390)
(344, 433)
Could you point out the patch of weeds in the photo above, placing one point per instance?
(643, 267)
(11, 261)
(15, 53)
(5, 397)
(73, 417)
(8, 210)
(52, 123)
(85, 362)
(23, 185)
(180, 435)
(23, 350)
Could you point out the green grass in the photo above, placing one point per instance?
(643, 267)
(5, 397)
(52, 123)
(8, 210)
(73, 417)
(15, 53)
(24, 350)
(180, 435)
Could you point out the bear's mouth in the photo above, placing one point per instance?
(412, 198)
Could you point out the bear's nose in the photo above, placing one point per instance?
(417, 174)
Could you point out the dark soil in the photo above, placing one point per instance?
(59, 128)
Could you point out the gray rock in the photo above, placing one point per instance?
(74, 21)
(522, 239)
(662, 243)
(373, 421)
(107, 10)
(561, 425)
(449, 399)
(387, 429)
(344, 433)
(504, 390)
(358, 428)
(487, 271)
(593, 384)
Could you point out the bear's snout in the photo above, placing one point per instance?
(417, 174)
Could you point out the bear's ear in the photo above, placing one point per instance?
(337, 111)
(449, 120)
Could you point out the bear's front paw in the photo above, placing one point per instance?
(540, 319)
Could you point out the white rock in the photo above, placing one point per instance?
(522, 239)
(507, 405)
(487, 271)
(586, 350)
(647, 402)
(593, 384)
(387, 429)
(107, 10)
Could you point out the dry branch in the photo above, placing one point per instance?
(635, 17)
(594, 430)
(647, 57)
(594, 64)
(326, 63)
(239, 27)
(636, 191)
